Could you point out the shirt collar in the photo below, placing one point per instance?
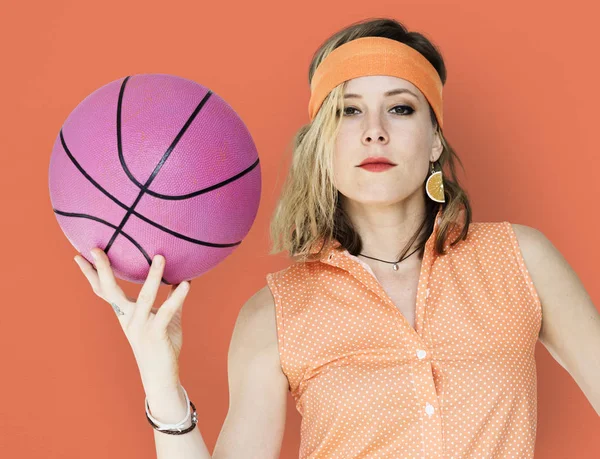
(332, 246)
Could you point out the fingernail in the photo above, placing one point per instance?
(93, 254)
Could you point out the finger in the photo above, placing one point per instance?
(89, 272)
(171, 305)
(173, 287)
(171, 290)
(147, 295)
(92, 276)
(109, 288)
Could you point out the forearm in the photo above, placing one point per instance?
(169, 408)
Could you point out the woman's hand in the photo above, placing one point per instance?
(154, 334)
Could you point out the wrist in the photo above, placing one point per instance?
(168, 406)
(154, 390)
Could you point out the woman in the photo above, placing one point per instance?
(402, 329)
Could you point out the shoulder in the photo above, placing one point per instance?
(483, 238)
(497, 238)
(570, 320)
(532, 242)
(298, 274)
(256, 317)
(254, 343)
(538, 254)
(259, 305)
(526, 236)
(255, 327)
(544, 264)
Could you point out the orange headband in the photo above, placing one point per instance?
(375, 56)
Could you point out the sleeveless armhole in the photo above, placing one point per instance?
(524, 271)
(272, 283)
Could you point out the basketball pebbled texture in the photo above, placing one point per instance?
(155, 164)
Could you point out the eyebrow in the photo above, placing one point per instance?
(393, 92)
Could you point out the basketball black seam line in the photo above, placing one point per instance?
(144, 189)
(167, 153)
(104, 222)
(160, 164)
(137, 214)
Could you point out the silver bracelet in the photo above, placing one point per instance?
(177, 426)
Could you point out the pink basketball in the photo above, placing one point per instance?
(155, 164)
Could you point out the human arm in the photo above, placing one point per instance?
(570, 321)
(255, 422)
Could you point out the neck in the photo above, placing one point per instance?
(386, 231)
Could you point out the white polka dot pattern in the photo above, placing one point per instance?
(461, 384)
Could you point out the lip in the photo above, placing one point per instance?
(376, 160)
(377, 167)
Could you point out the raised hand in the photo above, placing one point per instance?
(154, 334)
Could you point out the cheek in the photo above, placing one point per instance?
(341, 171)
(344, 156)
(413, 169)
(342, 143)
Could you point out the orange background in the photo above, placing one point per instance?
(520, 108)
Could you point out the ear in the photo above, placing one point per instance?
(436, 147)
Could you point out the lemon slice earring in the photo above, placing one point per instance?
(435, 186)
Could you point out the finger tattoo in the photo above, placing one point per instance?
(117, 309)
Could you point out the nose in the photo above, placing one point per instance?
(375, 131)
(381, 138)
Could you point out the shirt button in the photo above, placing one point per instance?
(330, 256)
(429, 409)
(421, 354)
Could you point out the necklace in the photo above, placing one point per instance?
(395, 263)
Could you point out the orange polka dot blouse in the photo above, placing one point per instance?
(461, 384)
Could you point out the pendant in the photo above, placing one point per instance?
(395, 266)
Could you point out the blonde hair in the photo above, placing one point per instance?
(309, 210)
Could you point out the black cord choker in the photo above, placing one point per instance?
(395, 263)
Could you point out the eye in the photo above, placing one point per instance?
(348, 108)
(406, 108)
